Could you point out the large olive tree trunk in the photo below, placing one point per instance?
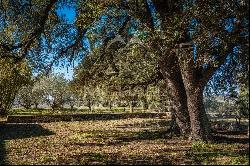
(179, 107)
(194, 85)
(186, 89)
(200, 126)
(173, 79)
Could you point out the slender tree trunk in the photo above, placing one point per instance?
(131, 106)
(89, 105)
(110, 105)
(53, 108)
(144, 103)
(36, 106)
(145, 99)
(132, 99)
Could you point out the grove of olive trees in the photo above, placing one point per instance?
(131, 44)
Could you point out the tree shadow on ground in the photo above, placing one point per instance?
(146, 135)
(152, 130)
(97, 158)
(148, 124)
(19, 131)
(109, 138)
(79, 117)
(231, 137)
(2, 153)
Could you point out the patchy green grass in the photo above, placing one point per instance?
(125, 141)
(214, 154)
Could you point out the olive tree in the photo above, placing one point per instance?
(12, 78)
(55, 90)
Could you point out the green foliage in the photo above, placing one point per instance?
(89, 12)
(233, 106)
(55, 88)
(25, 96)
(12, 78)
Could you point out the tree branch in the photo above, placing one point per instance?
(64, 51)
(210, 71)
(25, 46)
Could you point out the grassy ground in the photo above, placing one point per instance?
(126, 141)
(68, 111)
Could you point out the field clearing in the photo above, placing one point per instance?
(125, 141)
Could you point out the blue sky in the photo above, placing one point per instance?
(70, 15)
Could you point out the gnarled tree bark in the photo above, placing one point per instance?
(191, 75)
(173, 79)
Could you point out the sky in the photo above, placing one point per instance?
(70, 14)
